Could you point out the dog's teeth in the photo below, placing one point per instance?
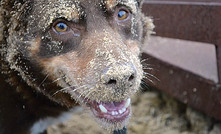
(127, 103)
(114, 113)
(102, 108)
(124, 109)
(120, 111)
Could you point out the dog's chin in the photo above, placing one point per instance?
(109, 125)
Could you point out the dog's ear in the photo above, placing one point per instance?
(139, 2)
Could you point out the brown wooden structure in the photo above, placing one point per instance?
(195, 20)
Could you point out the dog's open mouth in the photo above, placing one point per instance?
(110, 111)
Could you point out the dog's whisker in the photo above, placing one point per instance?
(80, 95)
(151, 75)
(148, 68)
(58, 79)
(144, 64)
(144, 85)
(44, 80)
(74, 90)
(78, 88)
(144, 60)
(148, 78)
(63, 89)
(90, 92)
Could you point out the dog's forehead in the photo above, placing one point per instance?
(60, 6)
(45, 12)
(73, 10)
(129, 3)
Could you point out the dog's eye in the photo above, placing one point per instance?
(61, 27)
(123, 14)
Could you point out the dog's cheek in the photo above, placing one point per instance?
(134, 47)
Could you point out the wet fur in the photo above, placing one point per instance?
(40, 71)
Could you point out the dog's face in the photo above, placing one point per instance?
(84, 51)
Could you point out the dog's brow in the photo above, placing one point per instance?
(110, 4)
(60, 9)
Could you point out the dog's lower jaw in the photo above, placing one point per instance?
(113, 122)
(111, 126)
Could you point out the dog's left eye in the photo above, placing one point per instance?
(123, 14)
(61, 27)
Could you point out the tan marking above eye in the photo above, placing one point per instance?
(110, 4)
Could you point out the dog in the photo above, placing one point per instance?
(59, 54)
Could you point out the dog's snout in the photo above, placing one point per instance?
(119, 76)
(127, 79)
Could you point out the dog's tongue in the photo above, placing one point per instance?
(114, 106)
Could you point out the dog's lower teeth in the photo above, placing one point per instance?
(124, 109)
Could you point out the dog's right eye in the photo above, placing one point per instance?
(61, 27)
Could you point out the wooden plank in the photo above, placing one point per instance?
(190, 22)
(197, 20)
(196, 57)
(218, 52)
(199, 93)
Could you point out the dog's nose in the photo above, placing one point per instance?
(119, 76)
